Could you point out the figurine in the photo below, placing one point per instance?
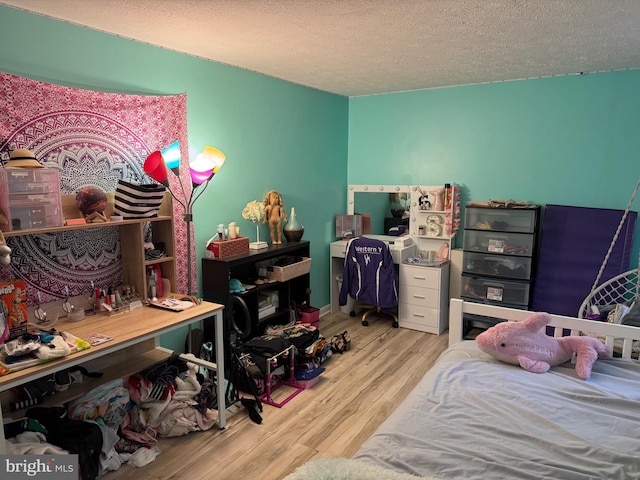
(274, 215)
(5, 251)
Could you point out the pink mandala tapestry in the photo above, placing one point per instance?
(92, 139)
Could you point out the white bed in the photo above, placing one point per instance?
(473, 417)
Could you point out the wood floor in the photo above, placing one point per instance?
(358, 390)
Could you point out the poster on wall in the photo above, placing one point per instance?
(92, 139)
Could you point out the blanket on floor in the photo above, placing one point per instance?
(347, 469)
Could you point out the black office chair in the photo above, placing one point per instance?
(370, 278)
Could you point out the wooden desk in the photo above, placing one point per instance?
(135, 346)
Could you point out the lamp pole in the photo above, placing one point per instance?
(188, 217)
(201, 172)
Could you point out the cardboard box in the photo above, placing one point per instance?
(349, 226)
(366, 223)
(266, 311)
(271, 297)
(228, 248)
(14, 306)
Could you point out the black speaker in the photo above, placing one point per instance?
(241, 318)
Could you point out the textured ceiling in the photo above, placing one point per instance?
(364, 47)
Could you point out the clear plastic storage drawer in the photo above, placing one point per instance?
(34, 211)
(38, 180)
(501, 219)
(498, 242)
(496, 265)
(498, 292)
(36, 216)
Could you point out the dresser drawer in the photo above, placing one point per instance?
(425, 297)
(498, 242)
(425, 277)
(501, 219)
(338, 249)
(495, 265)
(498, 291)
(417, 317)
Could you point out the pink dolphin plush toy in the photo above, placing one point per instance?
(523, 343)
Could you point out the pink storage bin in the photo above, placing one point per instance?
(308, 383)
(310, 315)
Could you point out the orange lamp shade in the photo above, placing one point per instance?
(214, 155)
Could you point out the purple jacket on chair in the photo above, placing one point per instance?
(369, 274)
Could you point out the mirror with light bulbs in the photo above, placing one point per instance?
(387, 205)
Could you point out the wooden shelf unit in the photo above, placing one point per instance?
(216, 273)
(134, 265)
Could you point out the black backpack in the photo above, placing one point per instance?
(239, 378)
(76, 436)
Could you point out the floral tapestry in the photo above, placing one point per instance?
(92, 139)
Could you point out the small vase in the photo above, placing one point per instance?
(293, 229)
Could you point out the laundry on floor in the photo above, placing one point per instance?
(120, 421)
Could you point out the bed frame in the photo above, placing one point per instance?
(612, 333)
(458, 421)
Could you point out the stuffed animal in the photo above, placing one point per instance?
(5, 251)
(523, 343)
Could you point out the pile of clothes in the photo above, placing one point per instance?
(310, 347)
(34, 347)
(120, 421)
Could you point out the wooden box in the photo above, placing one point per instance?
(282, 274)
(228, 248)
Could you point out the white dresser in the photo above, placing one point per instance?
(434, 213)
(424, 298)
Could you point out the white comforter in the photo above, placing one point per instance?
(472, 417)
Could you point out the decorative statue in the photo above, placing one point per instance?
(254, 211)
(274, 215)
(5, 251)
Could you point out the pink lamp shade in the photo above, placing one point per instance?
(199, 177)
(154, 166)
(206, 165)
(171, 156)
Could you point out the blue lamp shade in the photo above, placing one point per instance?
(171, 156)
(206, 165)
(154, 167)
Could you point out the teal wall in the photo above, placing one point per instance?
(568, 140)
(565, 140)
(276, 135)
